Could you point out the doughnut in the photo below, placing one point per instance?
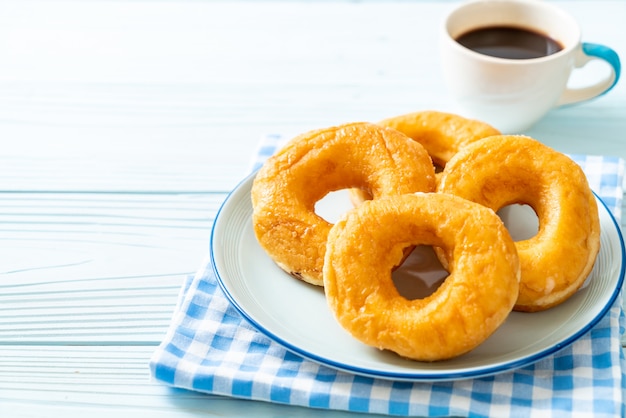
(472, 302)
(380, 160)
(442, 134)
(514, 169)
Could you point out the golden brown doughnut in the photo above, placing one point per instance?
(380, 160)
(503, 170)
(473, 301)
(442, 134)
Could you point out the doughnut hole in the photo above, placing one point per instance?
(420, 275)
(520, 220)
(333, 205)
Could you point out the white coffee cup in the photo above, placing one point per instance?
(513, 94)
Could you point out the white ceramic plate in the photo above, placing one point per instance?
(295, 314)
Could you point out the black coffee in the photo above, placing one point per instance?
(509, 42)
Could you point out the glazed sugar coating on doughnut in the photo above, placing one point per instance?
(363, 155)
(442, 134)
(508, 169)
(470, 305)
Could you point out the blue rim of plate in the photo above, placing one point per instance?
(421, 376)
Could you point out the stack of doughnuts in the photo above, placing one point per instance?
(441, 134)
(401, 203)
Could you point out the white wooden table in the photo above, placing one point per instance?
(123, 124)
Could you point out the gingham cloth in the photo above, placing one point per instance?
(211, 348)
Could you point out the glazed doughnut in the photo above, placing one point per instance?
(509, 169)
(442, 134)
(380, 160)
(472, 302)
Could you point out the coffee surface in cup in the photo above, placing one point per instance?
(509, 42)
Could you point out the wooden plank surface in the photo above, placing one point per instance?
(84, 268)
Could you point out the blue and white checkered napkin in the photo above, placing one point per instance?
(211, 348)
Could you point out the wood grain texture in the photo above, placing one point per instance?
(82, 268)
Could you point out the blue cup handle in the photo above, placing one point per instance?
(589, 52)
